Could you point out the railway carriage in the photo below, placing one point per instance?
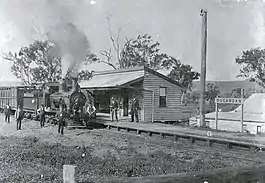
(12, 95)
(51, 95)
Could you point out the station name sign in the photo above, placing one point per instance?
(229, 100)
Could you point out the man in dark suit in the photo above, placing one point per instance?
(134, 109)
(114, 108)
(19, 116)
(42, 115)
(61, 122)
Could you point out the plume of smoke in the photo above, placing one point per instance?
(57, 17)
(73, 45)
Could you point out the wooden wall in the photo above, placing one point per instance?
(172, 112)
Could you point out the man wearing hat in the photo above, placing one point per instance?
(114, 108)
(134, 109)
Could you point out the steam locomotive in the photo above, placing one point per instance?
(66, 93)
(74, 101)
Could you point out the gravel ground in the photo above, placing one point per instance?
(38, 155)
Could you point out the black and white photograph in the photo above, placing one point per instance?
(142, 91)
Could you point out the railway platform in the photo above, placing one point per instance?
(193, 134)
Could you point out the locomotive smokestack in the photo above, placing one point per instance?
(62, 86)
(74, 84)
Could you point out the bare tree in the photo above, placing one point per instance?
(116, 46)
(40, 34)
(108, 55)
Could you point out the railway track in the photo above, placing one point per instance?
(192, 138)
(253, 171)
(241, 154)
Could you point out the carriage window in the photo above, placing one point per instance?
(258, 129)
(162, 97)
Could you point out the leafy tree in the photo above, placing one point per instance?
(194, 97)
(212, 91)
(253, 65)
(143, 50)
(183, 73)
(40, 62)
(36, 63)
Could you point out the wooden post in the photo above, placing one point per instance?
(203, 67)
(44, 97)
(69, 174)
(216, 115)
(242, 110)
(153, 105)
(37, 100)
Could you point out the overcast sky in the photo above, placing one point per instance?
(176, 24)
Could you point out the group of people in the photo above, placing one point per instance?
(89, 109)
(114, 107)
(18, 115)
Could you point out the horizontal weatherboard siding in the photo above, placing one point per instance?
(172, 111)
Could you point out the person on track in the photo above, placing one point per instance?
(61, 122)
(19, 116)
(42, 115)
(7, 113)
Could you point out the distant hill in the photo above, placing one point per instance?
(228, 86)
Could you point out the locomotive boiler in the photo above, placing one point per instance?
(73, 100)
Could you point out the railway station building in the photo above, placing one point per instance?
(159, 96)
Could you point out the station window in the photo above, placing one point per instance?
(162, 96)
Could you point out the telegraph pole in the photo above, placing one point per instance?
(203, 67)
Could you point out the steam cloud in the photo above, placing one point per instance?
(58, 18)
(73, 45)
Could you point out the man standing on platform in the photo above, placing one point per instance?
(7, 113)
(134, 109)
(114, 108)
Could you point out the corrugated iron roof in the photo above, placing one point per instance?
(113, 79)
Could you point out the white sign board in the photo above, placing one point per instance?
(229, 100)
(69, 174)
